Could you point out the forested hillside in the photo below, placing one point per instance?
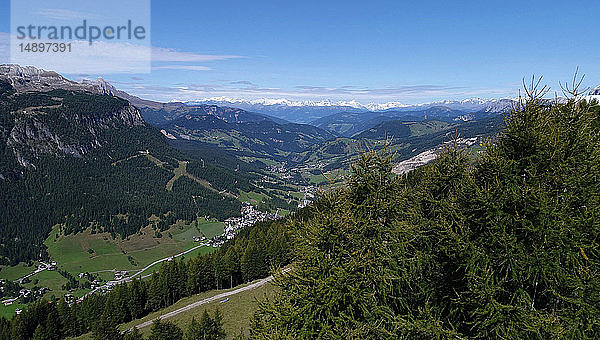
(350, 124)
(504, 245)
(84, 160)
(250, 137)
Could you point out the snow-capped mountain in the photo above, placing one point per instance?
(594, 94)
(308, 111)
(279, 102)
(293, 111)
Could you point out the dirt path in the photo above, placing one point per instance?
(210, 299)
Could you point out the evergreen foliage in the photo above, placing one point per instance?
(134, 334)
(165, 330)
(504, 245)
(208, 328)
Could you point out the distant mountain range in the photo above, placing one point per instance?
(243, 133)
(310, 111)
(298, 112)
(348, 124)
(160, 114)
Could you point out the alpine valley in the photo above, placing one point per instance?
(86, 156)
(122, 215)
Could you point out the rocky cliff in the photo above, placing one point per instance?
(45, 114)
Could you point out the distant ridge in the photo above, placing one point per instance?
(474, 104)
(309, 111)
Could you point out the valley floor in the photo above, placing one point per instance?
(104, 257)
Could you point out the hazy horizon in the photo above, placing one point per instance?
(377, 53)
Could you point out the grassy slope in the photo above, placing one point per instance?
(8, 312)
(72, 251)
(18, 271)
(252, 197)
(237, 312)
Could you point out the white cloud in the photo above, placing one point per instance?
(182, 67)
(64, 14)
(170, 55)
(347, 95)
(104, 58)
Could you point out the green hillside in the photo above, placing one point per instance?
(89, 161)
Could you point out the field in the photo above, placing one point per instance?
(102, 255)
(87, 252)
(49, 279)
(316, 179)
(252, 197)
(211, 229)
(16, 272)
(9, 311)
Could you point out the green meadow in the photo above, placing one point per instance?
(87, 252)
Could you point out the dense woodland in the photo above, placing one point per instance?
(503, 245)
(100, 185)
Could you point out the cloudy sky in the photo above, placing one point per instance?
(369, 51)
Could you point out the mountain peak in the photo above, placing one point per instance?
(474, 104)
(26, 71)
(595, 91)
(29, 78)
(101, 85)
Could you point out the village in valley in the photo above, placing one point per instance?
(250, 215)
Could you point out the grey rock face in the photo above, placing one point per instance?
(29, 78)
(30, 135)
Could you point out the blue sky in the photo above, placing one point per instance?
(375, 51)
